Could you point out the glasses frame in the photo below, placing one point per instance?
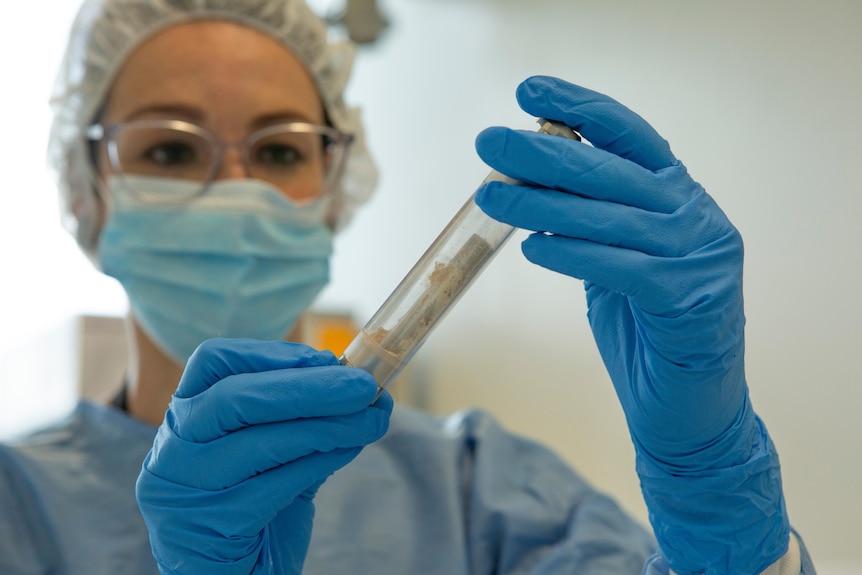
(334, 139)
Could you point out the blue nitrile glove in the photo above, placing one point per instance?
(253, 430)
(663, 271)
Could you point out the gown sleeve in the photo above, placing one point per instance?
(26, 545)
(529, 513)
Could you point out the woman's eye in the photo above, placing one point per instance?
(171, 154)
(277, 155)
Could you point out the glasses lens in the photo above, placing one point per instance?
(295, 158)
(165, 152)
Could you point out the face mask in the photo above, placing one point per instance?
(239, 261)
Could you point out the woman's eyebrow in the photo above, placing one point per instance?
(194, 114)
(167, 110)
(281, 117)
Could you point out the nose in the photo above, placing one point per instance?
(232, 167)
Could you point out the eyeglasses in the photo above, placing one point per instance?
(299, 158)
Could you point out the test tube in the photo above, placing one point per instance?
(431, 288)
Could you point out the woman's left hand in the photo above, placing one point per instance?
(663, 272)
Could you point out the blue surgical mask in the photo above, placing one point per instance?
(239, 261)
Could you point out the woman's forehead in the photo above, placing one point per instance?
(216, 70)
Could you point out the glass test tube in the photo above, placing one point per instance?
(434, 284)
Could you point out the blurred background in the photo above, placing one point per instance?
(759, 99)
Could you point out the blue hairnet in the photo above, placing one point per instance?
(106, 32)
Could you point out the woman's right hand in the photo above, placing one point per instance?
(252, 431)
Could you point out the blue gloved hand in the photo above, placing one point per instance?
(663, 272)
(252, 431)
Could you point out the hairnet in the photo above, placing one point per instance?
(106, 32)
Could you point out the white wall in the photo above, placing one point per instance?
(44, 279)
(759, 99)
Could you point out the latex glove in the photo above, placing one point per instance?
(663, 271)
(253, 430)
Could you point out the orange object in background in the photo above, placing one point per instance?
(332, 331)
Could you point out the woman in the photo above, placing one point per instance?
(207, 158)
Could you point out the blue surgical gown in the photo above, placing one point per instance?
(450, 495)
